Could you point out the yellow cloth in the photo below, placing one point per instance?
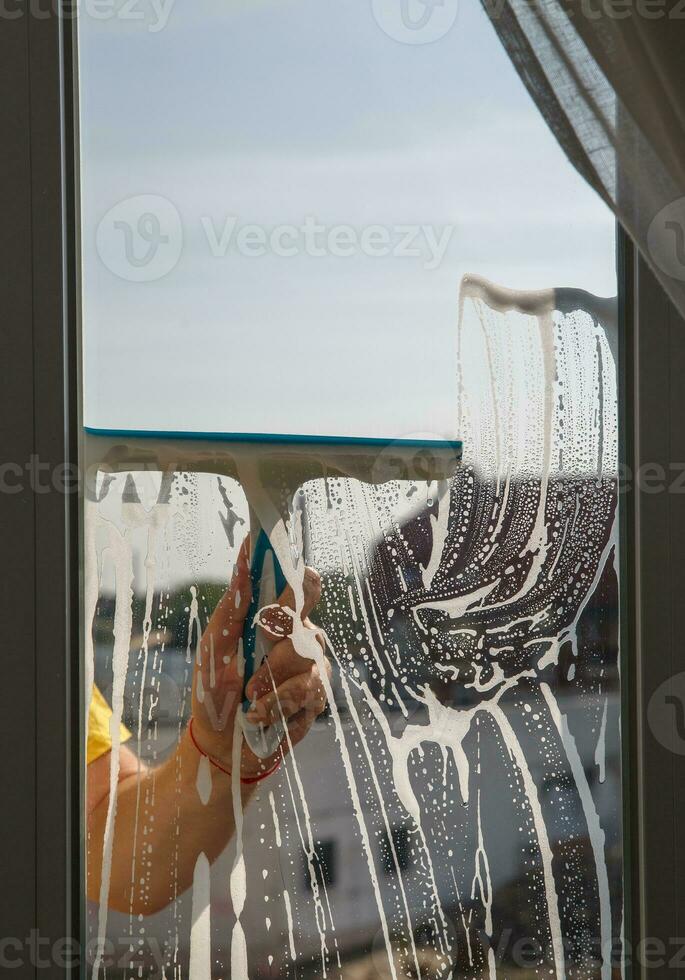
(99, 738)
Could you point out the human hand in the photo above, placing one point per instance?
(287, 687)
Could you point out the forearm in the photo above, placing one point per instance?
(151, 860)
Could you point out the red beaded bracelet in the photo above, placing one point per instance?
(245, 780)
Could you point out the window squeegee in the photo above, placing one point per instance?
(270, 470)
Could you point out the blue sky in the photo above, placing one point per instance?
(268, 112)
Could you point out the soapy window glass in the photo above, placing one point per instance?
(455, 808)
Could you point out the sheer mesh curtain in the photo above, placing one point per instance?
(609, 78)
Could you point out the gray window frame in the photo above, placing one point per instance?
(39, 599)
(652, 540)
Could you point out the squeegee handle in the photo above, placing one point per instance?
(261, 547)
